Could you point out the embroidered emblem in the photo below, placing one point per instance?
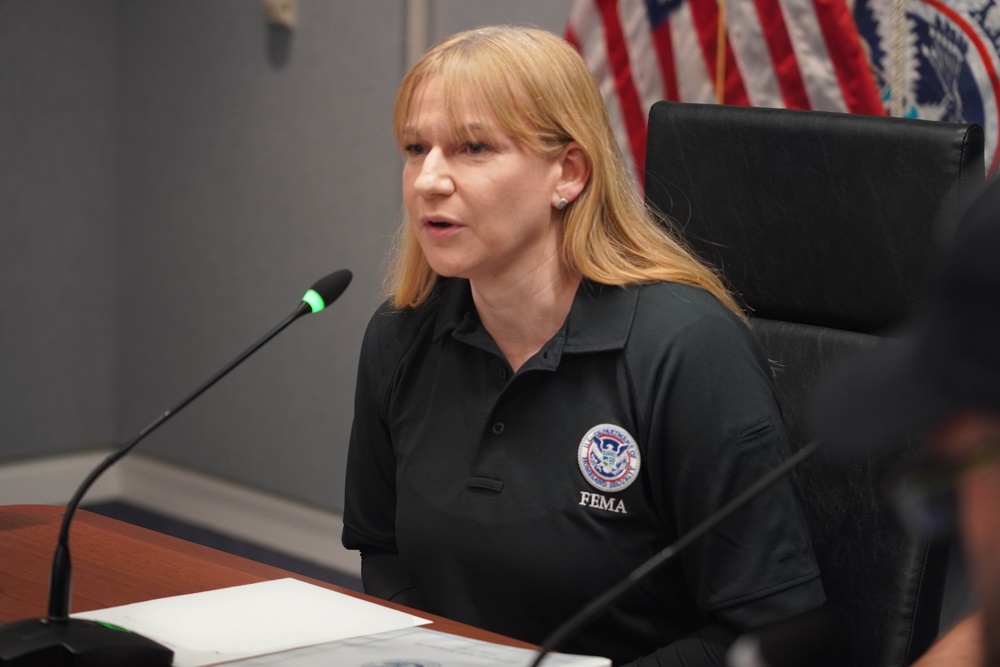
(609, 458)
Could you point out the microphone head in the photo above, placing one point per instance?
(327, 289)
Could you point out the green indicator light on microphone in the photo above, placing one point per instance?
(314, 300)
(113, 627)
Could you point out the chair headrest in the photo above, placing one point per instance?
(822, 218)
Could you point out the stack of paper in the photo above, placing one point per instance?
(232, 623)
(289, 622)
(417, 647)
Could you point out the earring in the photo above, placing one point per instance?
(561, 204)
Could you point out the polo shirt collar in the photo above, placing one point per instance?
(600, 318)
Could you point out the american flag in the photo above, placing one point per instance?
(797, 54)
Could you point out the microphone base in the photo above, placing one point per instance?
(42, 642)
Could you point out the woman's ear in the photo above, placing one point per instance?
(575, 164)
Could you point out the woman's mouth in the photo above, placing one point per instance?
(436, 228)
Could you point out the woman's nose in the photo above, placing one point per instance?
(435, 175)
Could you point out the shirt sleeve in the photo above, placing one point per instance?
(370, 487)
(714, 429)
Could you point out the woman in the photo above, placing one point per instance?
(557, 389)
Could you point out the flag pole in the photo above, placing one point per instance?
(720, 55)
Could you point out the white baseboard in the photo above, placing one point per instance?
(52, 481)
(248, 514)
(254, 516)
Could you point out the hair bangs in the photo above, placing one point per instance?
(495, 77)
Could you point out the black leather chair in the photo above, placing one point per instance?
(824, 224)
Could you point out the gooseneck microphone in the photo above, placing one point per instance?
(59, 640)
(602, 602)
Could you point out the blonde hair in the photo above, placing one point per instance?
(538, 90)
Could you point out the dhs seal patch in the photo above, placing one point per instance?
(945, 56)
(609, 458)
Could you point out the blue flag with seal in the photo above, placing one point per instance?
(937, 60)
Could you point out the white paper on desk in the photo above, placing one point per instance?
(416, 647)
(233, 623)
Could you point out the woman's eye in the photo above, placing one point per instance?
(413, 149)
(476, 147)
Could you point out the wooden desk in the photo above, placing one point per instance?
(116, 563)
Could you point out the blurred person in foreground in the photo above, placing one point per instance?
(556, 389)
(938, 380)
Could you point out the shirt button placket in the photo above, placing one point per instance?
(498, 428)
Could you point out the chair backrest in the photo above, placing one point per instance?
(825, 224)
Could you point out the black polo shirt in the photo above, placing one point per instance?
(514, 498)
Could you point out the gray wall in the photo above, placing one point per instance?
(58, 268)
(173, 176)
